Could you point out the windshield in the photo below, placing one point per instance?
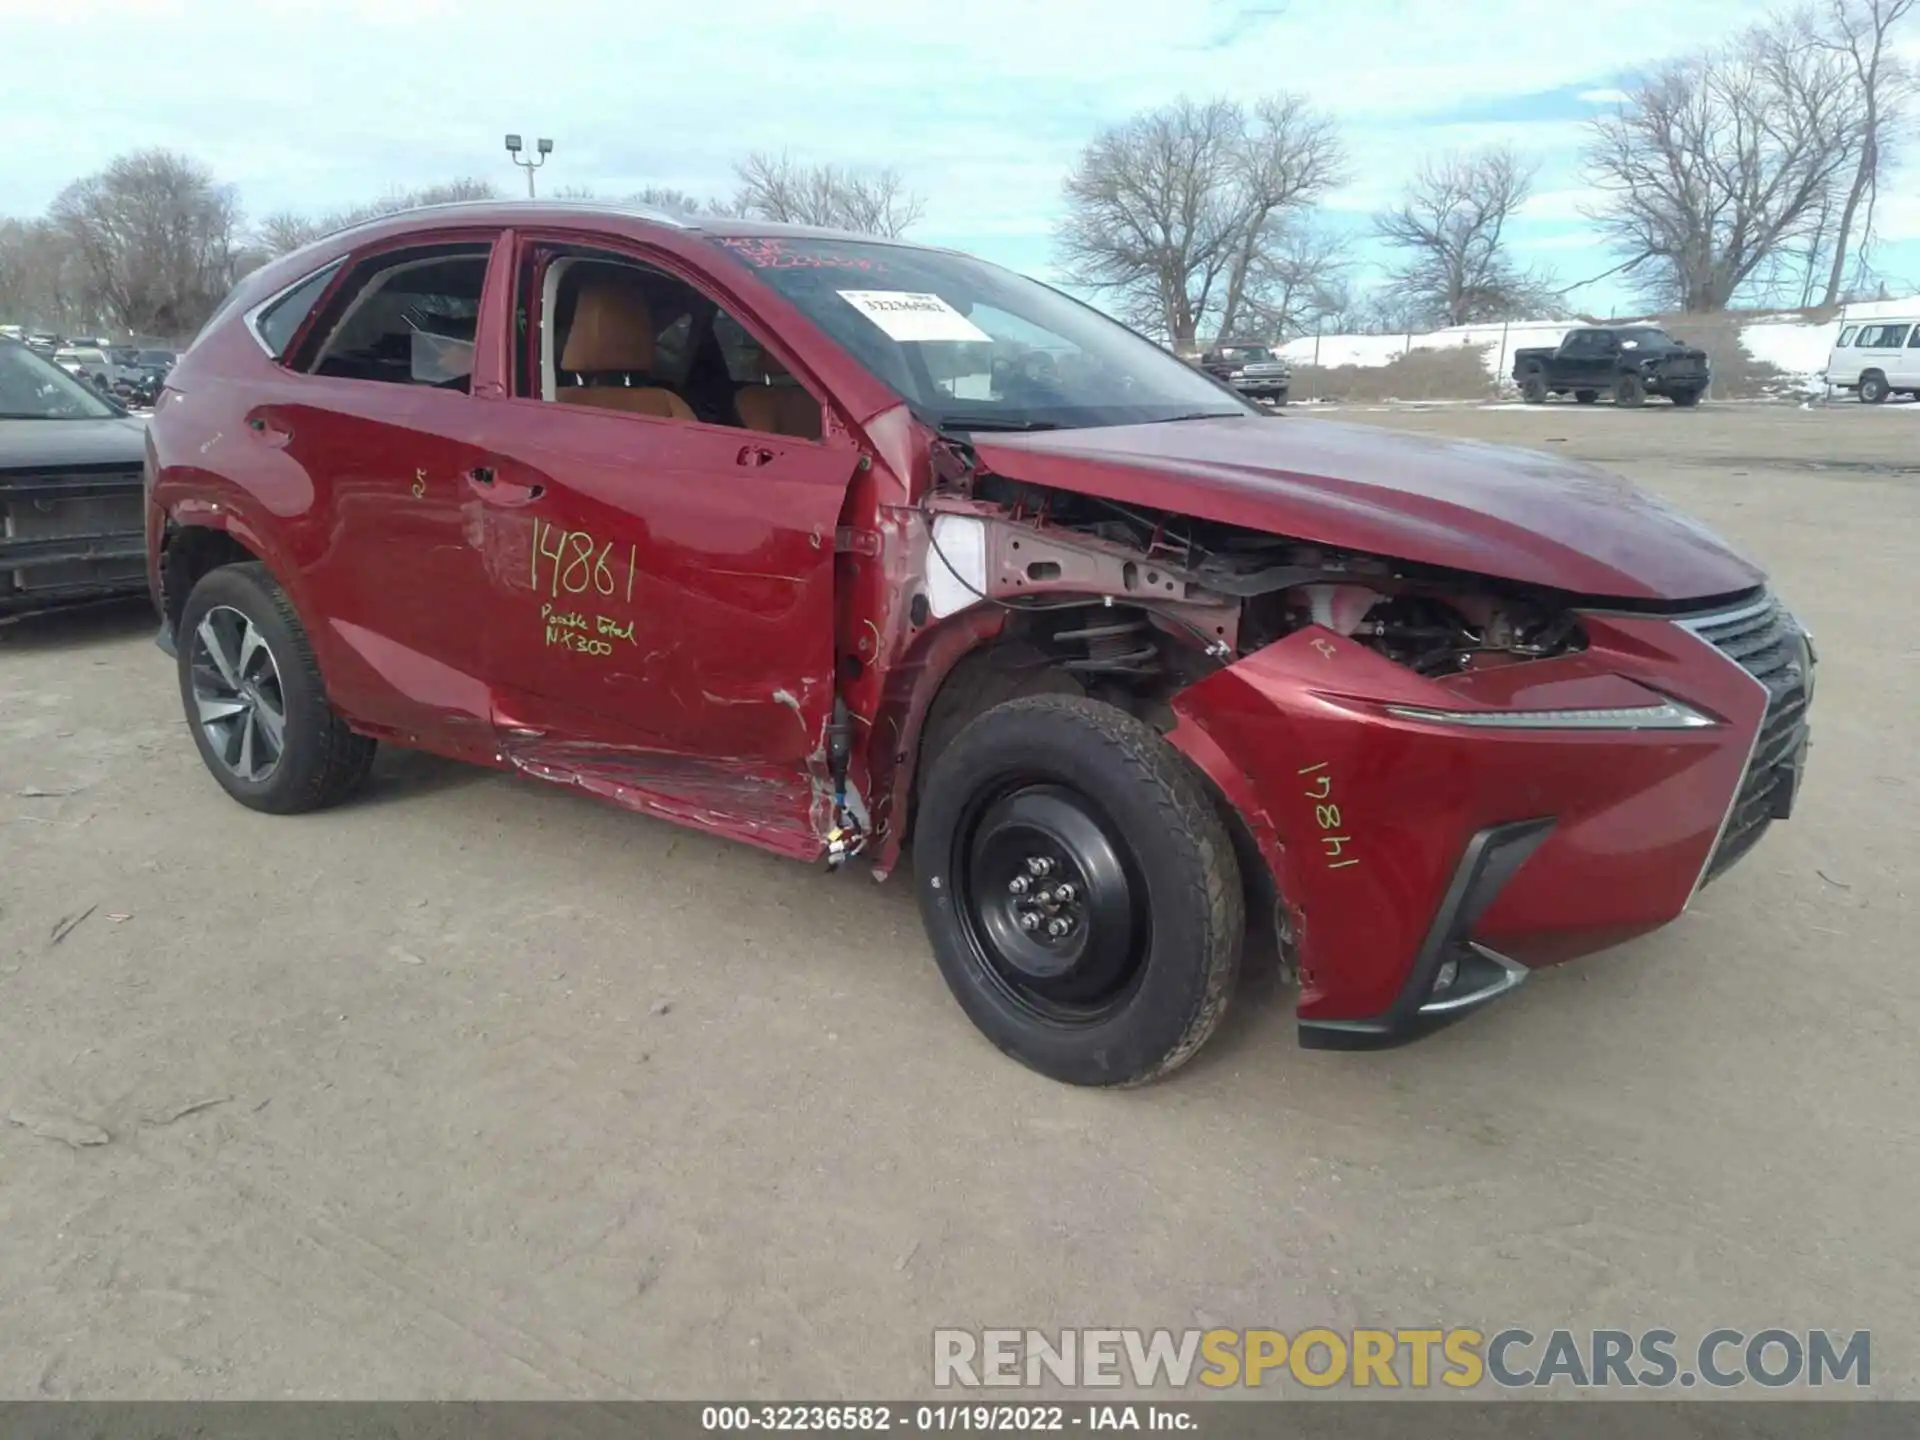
(1246, 354)
(32, 388)
(1647, 338)
(972, 346)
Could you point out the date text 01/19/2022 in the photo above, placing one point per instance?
(942, 1419)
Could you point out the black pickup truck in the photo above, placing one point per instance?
(1629, 363)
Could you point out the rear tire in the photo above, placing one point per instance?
(254, 700)
(1873, 388)
(1533, 387)
(1629, 391)
(1147, 947)
(1586, 397)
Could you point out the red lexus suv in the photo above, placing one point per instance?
(828, 543)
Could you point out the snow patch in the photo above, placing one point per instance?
(1797, 347)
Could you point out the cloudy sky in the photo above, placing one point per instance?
(314, 104)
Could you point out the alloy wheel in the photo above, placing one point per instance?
(238, 701)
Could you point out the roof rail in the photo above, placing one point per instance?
(611, 207)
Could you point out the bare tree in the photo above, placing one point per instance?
(1298, 279)
(1715, 163)
(677, 202)
(41, 280)
(288, 230)
(1287, 157)
(1857, 31)
(871, 202)
(1452, 221)
(154, 236)
(1178, 211)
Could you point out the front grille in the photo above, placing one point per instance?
(70, 530)
(1768, 644)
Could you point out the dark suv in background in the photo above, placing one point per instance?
(1254, 370)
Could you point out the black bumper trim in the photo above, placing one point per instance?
(1489, 861)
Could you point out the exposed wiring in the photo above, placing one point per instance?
(1030, 606)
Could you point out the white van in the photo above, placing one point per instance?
(1877, 357)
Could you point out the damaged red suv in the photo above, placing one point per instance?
(827, 543)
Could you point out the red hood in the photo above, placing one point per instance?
(1489, 509)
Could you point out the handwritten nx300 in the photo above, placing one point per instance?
(577, 563)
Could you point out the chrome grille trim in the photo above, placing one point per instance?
(1732, 636)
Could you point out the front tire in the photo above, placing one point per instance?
(1079, 890)
(1685, 399)
(254, 700)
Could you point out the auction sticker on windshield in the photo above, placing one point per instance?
(913, 315)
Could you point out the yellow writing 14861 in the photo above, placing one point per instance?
(1327, 816)
(577, 563)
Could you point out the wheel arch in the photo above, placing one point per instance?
(192, 547)
(976, 661)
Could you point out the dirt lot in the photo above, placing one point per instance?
(503, 1092)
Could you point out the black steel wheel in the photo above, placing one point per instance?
(1051, 903)
(1079, 890)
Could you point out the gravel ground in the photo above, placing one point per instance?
(480, 1088)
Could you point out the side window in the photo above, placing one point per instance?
(408, 318)
(276, 322)
(1579, 345)
(1913, 342)
(1846, 338)
(616, 335)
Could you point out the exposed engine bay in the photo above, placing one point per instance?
(1167, 595)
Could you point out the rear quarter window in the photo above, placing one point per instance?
(279, 320)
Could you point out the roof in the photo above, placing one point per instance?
(507, 212)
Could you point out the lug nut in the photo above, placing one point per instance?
(1029, 920)
(1063, 894)
(1018, 885)
(1057, 927)
(1038, 865)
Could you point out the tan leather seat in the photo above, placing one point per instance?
(779, 410)
(613, 330)
(774, 405)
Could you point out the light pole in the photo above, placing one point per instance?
(542, 149)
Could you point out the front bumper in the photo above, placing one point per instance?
(1425, 867)
(1661, 382)
(1263, 386)
(69, 535)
